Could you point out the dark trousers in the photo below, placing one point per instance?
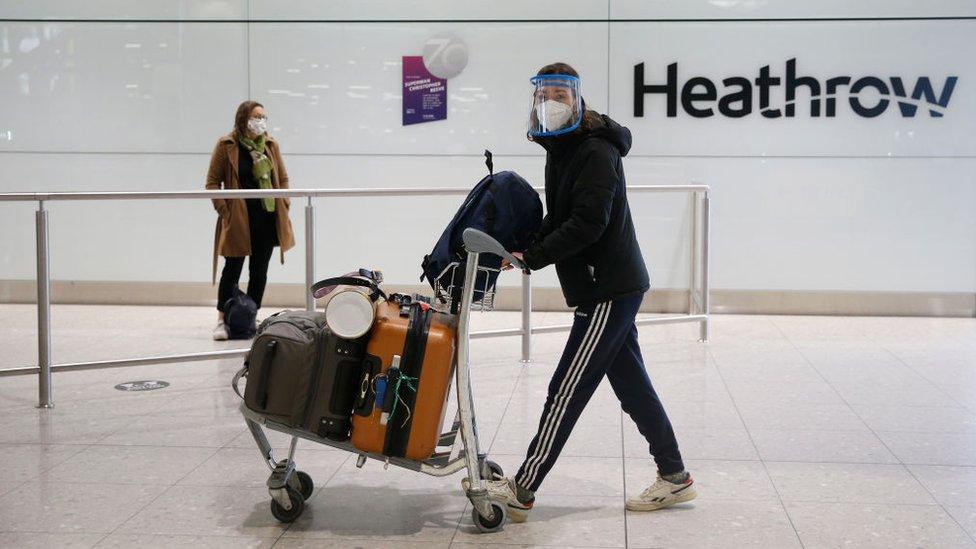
(603, 341)
(263, 240)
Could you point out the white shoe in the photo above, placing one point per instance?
(503, 491)
(220, 332)
(663, 494)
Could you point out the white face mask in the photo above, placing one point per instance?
(555, 114)
(257, 126)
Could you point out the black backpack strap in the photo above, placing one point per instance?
(348, 281)
(489, 163)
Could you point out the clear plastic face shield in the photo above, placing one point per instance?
(557, 105)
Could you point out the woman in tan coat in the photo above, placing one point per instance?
(247, 158)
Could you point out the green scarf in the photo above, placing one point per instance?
(262, 166)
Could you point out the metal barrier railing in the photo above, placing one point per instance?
(697, 291)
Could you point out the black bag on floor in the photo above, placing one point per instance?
(240, 313)
(303, 376)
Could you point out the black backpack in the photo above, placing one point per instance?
(504, 206)
(240, 313)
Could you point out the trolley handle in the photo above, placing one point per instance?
(480, 242)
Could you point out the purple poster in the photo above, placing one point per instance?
(424, 95)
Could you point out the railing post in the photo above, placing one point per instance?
(704, 269)
(309, 254)
(526, 317)
(693, 280)
(44, 399)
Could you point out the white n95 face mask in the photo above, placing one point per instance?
(557, 105)
(555, 115)
(257, 126)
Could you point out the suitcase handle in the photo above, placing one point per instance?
(266, 373)
(236, 382)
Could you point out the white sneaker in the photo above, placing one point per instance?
(503, 491)
(220, 332)
(663, 494)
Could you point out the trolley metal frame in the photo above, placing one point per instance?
(461, 452)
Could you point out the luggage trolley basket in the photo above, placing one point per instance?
(449, 285)
(457, 448)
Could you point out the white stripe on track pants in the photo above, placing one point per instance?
(603, 341)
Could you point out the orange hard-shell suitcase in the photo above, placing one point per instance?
(422, 341)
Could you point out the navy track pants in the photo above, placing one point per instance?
(603, 341)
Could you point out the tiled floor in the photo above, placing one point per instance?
(800, 431)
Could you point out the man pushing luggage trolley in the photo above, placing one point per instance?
(589, 235)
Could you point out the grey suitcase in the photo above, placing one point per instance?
(299, 374)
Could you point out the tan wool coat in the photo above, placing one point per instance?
(232, 237)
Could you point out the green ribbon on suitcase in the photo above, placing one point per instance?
(411, 385)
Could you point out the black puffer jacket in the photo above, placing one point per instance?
(588, 231)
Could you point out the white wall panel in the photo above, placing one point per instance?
(171, 240)
(835, 224)
(387, 10)
(155, 87)
(546, 10)
(778, 9)
(17, 250)
(336, 88)
(123, 9)
(111, 240)
(798, 204)
(801, 224)
(822, 50)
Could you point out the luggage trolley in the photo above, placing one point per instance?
(289, 487)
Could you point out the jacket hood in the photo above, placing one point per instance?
(612, 132)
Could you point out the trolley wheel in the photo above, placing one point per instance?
(307, 485)
(495, 471)
(488, 526)
(297, 506)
